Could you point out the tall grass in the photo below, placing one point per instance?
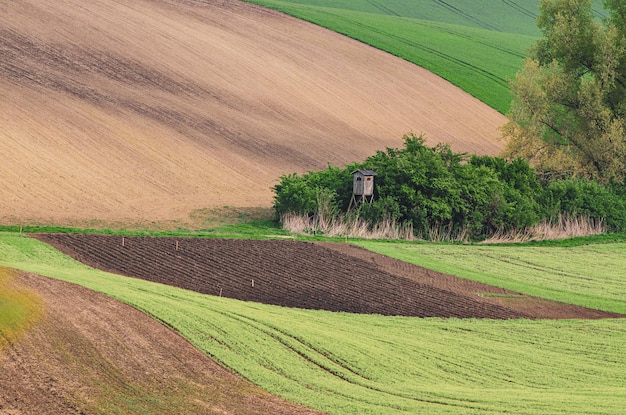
(564, 227)
(352, 226)
(444, 234)
(348, 226)
(19, 308)
(330, 221)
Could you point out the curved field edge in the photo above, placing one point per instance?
(589, 275)
(367, 364)
(480, 61)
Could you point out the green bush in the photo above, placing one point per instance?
(436, 189)
(418, 180)
(581, 197)
(300, 193)
(518, 206)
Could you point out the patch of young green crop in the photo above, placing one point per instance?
(19, 308)
(477, 45)
(507, 16)
(366, 364)
(479, 60)
(15, 313)
(590, 275)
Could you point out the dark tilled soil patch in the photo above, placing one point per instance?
(325, 276)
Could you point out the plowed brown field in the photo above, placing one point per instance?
(90, 354)
(332, 276)
(145, 110)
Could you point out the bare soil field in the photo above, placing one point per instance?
(147, 110)
(327, 276)
(90, 354)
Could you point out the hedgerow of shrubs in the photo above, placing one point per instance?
(436, 188)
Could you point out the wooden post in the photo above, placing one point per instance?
(220, 291)
(122, 241)
(177, 245)
(252, 283)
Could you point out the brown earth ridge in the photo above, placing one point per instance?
(325, 276)
(148, 110)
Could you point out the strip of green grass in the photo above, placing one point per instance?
(255, 229)
(476, 57)
(591, 275)
(364, 364)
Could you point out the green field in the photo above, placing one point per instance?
(590, 275)
(477, 45)
(366, 364)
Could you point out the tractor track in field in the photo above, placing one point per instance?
(434, 51)
(321, 276)
(380, 6)
(520, 9)
(466, 16)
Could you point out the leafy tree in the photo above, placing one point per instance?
(520, 190)
(569, 107)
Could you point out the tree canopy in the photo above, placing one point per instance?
(568, 115)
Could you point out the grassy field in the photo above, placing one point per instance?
(477, 45)
(590, 275)
(367, 364)
(517, 16)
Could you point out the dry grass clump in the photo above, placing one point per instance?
(351, 226)
(348, 226)
(565, 226)
(445, 234)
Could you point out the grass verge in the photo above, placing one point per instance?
(236, 223)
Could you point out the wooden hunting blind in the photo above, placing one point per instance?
(362, 187)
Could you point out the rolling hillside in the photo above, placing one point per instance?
(90, 354)
(135, 111)
(477, 45)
